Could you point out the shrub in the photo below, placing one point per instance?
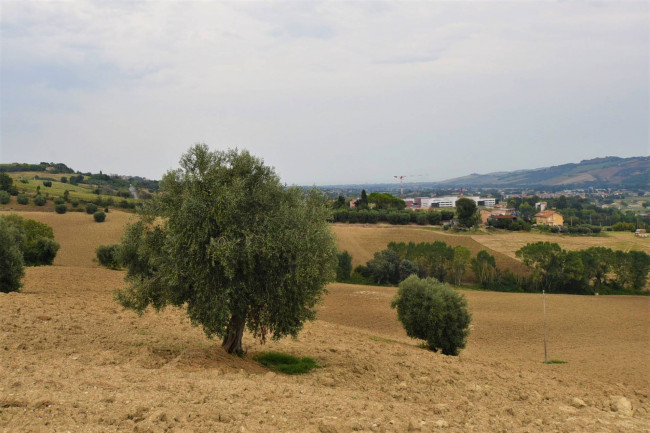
(47, 183)
(39, 200)
(99, 216)
(284, 363)
(11, 258)
(74, 203)
(624, 227)
(64, 179)
(22, 199)
(91, 208)
(5, 197)
(434, 312)
(37, 244)
(41, 251)
(109, 256)
(59, 200)
(60, 208)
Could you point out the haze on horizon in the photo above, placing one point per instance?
(327, 93)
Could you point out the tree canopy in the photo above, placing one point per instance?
(226, 240)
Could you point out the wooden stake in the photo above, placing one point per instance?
(545, 350)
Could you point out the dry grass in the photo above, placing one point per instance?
(362, 241)
(79, 234)
(509, 242)
(72, 360)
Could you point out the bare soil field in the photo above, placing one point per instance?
(72, 360)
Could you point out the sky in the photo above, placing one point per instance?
(326, 92)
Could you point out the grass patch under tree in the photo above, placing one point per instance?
(286, 364)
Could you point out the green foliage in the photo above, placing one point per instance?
(61, 208)
(91, 208)
(22, 199)
(586, 271)
(37, 242)
(340, 203)
(466, 212)
(385, 201)
(99, 216)
(109, 256)
(485, 270)
(226, 240)
(40, 200)
(12, 267)
(59, 200)
(284, 363)
(407, 268)
(631, 269)
(433, 311)
(545, 258)
(624, 227)
(384, 267)
(6, 182)
(5, 197)
(433, 259)
(461, 258)
(344, 268)
(47, 183)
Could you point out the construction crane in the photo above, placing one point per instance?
(401, 182)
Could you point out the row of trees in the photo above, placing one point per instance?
(594, 270)
(400, 260)
(23, 242)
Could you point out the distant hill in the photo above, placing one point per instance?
(610, 171)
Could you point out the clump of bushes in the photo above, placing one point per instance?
(434, 312)
(91, 208)
(40, 200)
(61, 208)
(47, 183)
(109, 256)
(99, 216)
(624, 227)
(5, 197)
(22, 199)
(35, 240)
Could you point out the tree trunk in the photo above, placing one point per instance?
(232, 340)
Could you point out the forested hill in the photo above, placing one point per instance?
(610, 171)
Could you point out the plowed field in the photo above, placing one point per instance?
(72, 360)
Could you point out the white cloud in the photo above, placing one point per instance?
(326, 92)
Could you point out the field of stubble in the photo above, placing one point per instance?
(72, 360)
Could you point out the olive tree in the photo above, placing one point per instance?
(433, 311)
(226, 240)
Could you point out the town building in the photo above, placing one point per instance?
(549, 218)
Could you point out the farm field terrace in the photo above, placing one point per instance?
(72, 360)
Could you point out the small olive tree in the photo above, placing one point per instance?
(433, 311)
(225, 239)
(12, 266)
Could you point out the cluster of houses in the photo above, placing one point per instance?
(545, 216)
(448, 201)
